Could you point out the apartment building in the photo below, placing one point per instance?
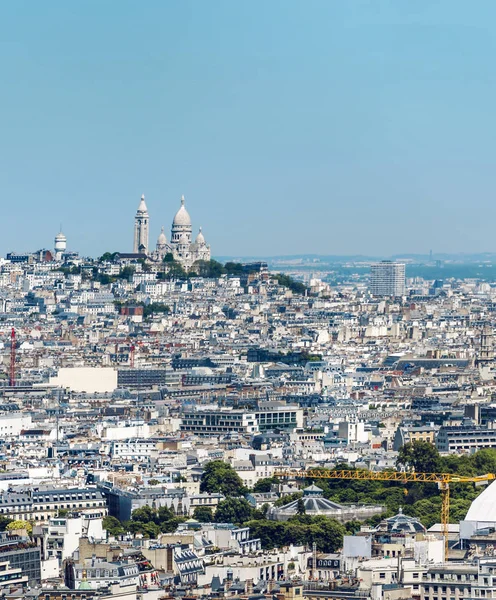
(465, 439)
(219, 422)
(45, 504)
(387, 278)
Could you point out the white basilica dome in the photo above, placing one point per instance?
(162, 240)
(182, 216)
(199, 238)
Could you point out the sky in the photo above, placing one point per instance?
(310, 126)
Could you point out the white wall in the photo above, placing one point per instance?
(13, 424)
(86, 379)
(50, 568)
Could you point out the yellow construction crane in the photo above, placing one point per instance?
(443, 481)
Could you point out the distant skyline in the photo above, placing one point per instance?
(310, 127)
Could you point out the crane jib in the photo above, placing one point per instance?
(443, 481)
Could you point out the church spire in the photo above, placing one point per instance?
(141, 228)
(142, 205)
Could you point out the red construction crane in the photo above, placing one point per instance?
(12, 357)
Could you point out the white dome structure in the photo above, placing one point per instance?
(481, 514)
(182, 218)
(199, 238)
(483, 508)
(162, 240)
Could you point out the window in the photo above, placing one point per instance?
(382, 575)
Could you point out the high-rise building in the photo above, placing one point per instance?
(387, 278)
(141, 228)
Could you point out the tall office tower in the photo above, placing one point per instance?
(141, 228)
(387, 278)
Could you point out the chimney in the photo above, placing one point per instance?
(270, 586)
(249, 587)
(227, 584)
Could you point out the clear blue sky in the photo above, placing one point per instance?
(310, 126)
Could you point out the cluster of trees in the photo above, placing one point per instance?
(108, 257)
(220, 478)
(7, 524)
(174, 270)
(286, 281)
(155, 308)
(424, 457)
(70, 270)
(148, 521)
(125, 273)
(421, 500)
(326, 533)
(209, 269)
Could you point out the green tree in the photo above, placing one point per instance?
(155, 307)
(233, 510)
(287, 499)
(153, 482)
(300, 507)
(353, 527)
(127, 272)
(165, 514)
(260, 513)
(419, 456)
(219, 477)
(171, 525)
(145, 514)
(208, 268)
(175, 270)
(326, 533)
(113, 526)
(4, 522)
(107, 257)
(233, 268)
(203, 514)
(485, 461)
(286, 281)
(149, 530)
(270, 533)
(19, 524)
(265, 485)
